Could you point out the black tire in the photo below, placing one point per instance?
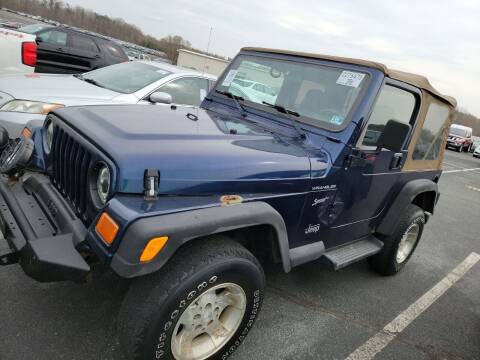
(385, 262)
(458, 148)
(154, 303)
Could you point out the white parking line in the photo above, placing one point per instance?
(462, 170)
(473, 188)
(379, 341)
(452, 165)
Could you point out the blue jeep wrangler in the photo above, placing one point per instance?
(292, 157)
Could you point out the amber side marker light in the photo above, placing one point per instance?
(107, 228)
(153, 247)
(27, 133)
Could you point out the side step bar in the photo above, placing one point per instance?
(350, 253)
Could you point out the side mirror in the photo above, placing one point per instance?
(160, 97)
(393, 136)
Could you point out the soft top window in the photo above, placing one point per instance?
(321, 95)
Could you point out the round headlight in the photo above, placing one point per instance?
(103, 183)
(49, 136)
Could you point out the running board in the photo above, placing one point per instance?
(350, 253)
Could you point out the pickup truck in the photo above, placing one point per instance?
(19, 52)
(339, 160)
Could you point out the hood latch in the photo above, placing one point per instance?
(151, 181)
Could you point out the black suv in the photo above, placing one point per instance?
(63, 50)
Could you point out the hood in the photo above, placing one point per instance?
(62, 89)
(196, 151)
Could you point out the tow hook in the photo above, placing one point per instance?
(7, 256)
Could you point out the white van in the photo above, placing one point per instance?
(460, 138)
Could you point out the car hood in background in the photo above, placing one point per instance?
(196, 151)
(61, 89)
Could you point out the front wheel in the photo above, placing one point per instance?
(399, 247)
(201, 305)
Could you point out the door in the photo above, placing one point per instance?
(84, 53)
(345, 208)
(186, 90)
(52, 52)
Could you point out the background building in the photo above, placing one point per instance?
(200, 62)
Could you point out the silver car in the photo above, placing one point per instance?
(29, 97)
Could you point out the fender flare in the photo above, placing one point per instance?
(185, 226)
(405, 197)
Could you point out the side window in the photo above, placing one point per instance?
(392, 104)
(187, 91)
(430, 140)
(115, 50)
(54, 37)
(80, 42)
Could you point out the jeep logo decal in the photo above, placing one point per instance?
(312, 229)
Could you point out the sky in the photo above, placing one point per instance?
(436, 38)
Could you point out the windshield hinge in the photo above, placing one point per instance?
(357, 158)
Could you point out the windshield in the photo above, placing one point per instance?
(321, 95)
(34, 28)
(127, 77)
(458, 132)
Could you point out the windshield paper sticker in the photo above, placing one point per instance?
(350, 78)
(229, 78)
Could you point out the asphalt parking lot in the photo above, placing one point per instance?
(311, 313)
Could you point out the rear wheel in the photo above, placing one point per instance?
(201, 305)
(399, 247)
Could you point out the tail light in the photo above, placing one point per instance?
(29, 53)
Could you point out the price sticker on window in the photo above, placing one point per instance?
(350, 78)
(229, 78)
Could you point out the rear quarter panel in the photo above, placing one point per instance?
(11, 54)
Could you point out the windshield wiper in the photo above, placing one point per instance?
(88, 80)
(91, 81)
(236, 99)
(289, 113)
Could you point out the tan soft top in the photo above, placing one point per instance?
(412, 79)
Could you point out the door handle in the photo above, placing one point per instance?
(396, 161)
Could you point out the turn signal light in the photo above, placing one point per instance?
(107, 228)
(27, 133)
(153, 247)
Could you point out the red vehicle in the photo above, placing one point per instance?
(460, 138)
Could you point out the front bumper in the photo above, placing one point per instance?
(43, 234)
(453, 144)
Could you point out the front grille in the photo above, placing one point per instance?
(70, 162)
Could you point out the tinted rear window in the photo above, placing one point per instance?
(114, 50)
(83, 43)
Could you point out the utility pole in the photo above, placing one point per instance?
(208, 47)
